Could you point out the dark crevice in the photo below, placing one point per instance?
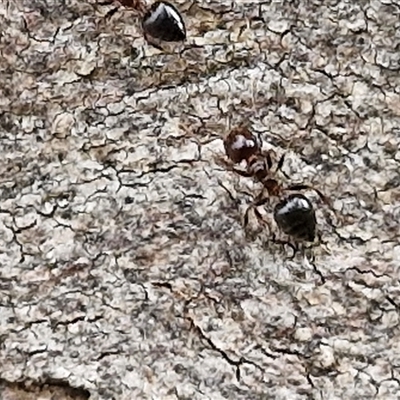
(369, 271)
(106, 354)
(225, 356)
(49, 383)
(78, 319)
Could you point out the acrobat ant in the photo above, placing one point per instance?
(294, 214)
(161, 22)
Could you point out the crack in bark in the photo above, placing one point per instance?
(78, 393)
(222, 353)
(78, 319)
(366, 272)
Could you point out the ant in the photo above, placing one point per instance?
(160, 22)
(294, 214)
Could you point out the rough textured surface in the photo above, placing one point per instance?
(125, 268)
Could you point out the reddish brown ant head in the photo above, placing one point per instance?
(241, 144)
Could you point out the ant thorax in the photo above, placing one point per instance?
(258, 168)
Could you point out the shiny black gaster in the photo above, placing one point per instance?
(295, 215)
(164, 22)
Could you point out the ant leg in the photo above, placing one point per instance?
(228, 165)
(308, 187)
(280, 166)
(152, 42)
(280, 163)
(246, 217)
(242, 173)
(309, 262)
(323, 243)
(222, 162)
(260, 141)
(320, 240)
(258, 201)
(294, 247)
(254, 232)
(112, 12)
(261, 220)
(268, 155)
(269, 160)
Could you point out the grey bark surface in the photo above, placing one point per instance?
(125, 269)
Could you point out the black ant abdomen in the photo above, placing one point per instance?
(164, 22)
(295, 216)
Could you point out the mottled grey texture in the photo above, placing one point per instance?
(125, 268)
